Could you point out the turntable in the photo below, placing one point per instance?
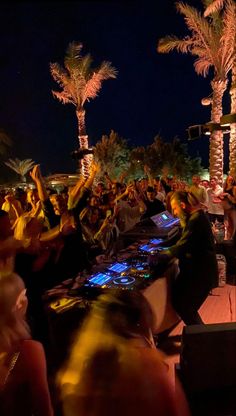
(124, 280)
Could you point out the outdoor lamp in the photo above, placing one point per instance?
(194, 132)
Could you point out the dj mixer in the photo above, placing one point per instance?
(133, 273)
(130, 271)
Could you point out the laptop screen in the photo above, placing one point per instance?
(165, 219)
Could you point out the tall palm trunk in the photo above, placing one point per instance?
(83, 141)
(232, 140)
(216, 140)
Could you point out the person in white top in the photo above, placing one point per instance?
(215, 207)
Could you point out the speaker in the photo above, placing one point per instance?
(208, 357)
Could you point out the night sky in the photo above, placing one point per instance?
(152, 94)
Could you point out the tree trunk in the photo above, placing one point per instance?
(232, 140)
(83, 141)
(216, 140)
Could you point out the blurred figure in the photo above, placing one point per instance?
(215, 208)
(229, 208)
(28, 230)
(205, 183)
(114, 367)
(198, 190)
(130, 207)
(229, 205)
(23, 379)
(229, 185)
(8, 244)
(12, 206)
(174, 188)
(35, 263)
(160, 193)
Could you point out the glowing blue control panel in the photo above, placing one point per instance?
(165, 220)
(156, 240)
(148, 248)
(118, 267)
(99, 279)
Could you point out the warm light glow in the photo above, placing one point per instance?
(206, 101)
(228, 119)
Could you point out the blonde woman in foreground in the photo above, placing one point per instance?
(23, 379)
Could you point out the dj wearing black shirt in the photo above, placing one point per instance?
(198, 272)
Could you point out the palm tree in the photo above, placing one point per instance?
(80, 83)
(5, 141)
(213, 7)
(21, 167)
(212, 43)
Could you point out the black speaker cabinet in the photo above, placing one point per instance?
(208, 357)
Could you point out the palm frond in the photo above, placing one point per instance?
(94, 84)
(169, 43)
(73, 51)
(59, 74)
(106, 71)
(206, 3)
(228, 34)
(63, 97)
(207, 37)
(200, 27)
(84, 66)
(214, 7)
(202, 66)
(77, 85)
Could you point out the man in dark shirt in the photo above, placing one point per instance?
(154, 205)
(198, 272)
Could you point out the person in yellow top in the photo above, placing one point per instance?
(12, 206)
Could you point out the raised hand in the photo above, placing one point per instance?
(36, 173)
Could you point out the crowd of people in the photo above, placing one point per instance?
(47, 237)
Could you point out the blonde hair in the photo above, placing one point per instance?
(102, 346)
(20, 226)
(13, 326)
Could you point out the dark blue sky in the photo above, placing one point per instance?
(152, 94)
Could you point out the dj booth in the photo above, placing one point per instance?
(66, 307)
(162, 225)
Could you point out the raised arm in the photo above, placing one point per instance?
(108, 179)
(44, 197)
(124, 194)
(148, 173)
(141, 204)
(77, 192)
(39, 182)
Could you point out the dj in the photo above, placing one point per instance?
(195, 251)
